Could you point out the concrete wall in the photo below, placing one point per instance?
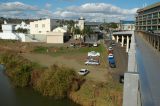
(8, 36)
(13, 36)
(131, 85)
(40, 38)
(22, 37)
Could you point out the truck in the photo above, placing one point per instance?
(111, 61)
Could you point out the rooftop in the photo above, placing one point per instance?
(149, 7)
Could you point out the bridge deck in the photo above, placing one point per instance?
(148, 60)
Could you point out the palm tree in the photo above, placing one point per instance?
(86, 31)
(71, 27)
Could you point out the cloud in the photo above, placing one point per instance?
(97, 12)
(16, 6)
(48, 5)
(90, 11)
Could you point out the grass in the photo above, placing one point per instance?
(98, 94)
(73, 53)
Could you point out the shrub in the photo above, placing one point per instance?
(55, 81)
(17, 68)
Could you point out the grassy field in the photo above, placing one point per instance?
(70, 52)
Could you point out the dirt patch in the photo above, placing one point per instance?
(96, 72)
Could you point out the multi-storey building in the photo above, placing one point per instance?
(41, 27)
(148, 18)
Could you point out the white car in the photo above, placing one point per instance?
(110, 55)
(93, 54)
(83, 72)
(92, 62)
(110, 48)
(95, 44)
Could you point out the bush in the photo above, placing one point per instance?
(17, 68)
(55, 81)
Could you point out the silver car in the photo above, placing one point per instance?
(92, 62)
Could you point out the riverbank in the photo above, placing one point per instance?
(43, 73)
(98, 94)
(26, 96)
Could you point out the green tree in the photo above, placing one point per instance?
(20, 30)
(113, 25)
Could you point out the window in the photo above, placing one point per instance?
(43, 25)
(36, 25)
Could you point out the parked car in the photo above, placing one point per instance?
(92, 62)
(95, 44)
(93, 54)
(110, 55)
(110, 48)
(113, 44)
(83, 72)
(111, 61)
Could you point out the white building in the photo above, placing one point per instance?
(9, 34)
(126, 25)
(41, 27)
(81, 23)
(58, 35)
(23, 25)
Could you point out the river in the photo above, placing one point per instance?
(10, 96)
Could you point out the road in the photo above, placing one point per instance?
(148, 60)
(121, 58)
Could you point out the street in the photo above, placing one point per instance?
(121, 58)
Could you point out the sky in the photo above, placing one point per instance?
(91, 10)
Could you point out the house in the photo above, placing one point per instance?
(41, 27)
(126, 25)
(23, 25)
(57, 35)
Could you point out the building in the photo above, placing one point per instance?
(9, 34)
(148, 18)
(41, 27)
(95, 26)
(57, 35)
(81, 23)
(23, 25)
(126, 25)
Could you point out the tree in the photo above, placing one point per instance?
(87, 30)
(113, 25)
(21, 30)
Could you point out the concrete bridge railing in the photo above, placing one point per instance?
(132, 93)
